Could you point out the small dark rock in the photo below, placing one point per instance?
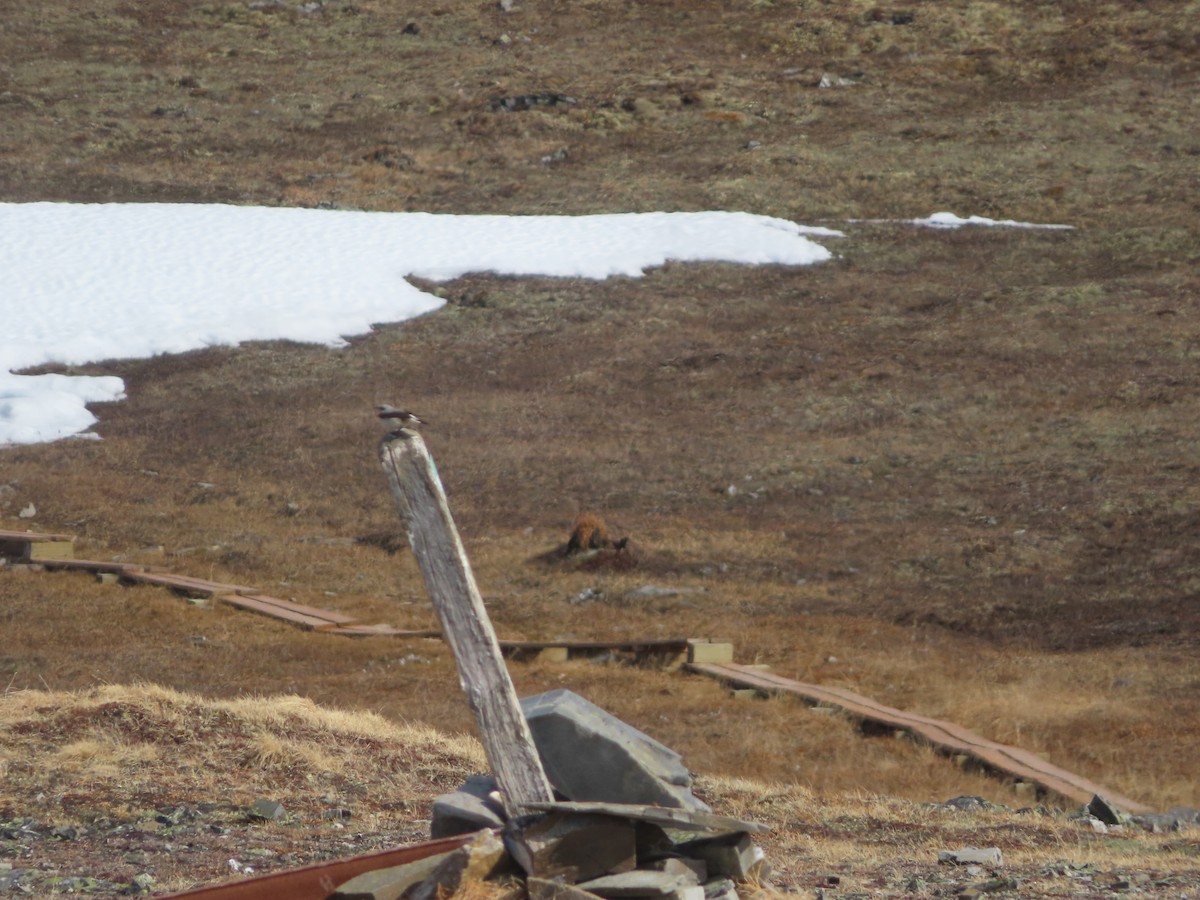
(1104, 811)
(266, 810)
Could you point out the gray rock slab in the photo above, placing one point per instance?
(268, 810)
(572, 846)
(972, 856)
(1104, 811)
(732, 855)
(680, 819)
(547, 889)
(679, 865)
(389, 883)
(639, 883)
(589, 754)
(720, 889)
(470, 808)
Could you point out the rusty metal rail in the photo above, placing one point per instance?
(318, 881)
(944, 736)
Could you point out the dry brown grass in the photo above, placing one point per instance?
(111, 748)
(107, 761)
(965, 461)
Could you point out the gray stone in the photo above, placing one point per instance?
(266, 809)
(686, 867)
(996, 885)
(1186, 815)
(591, 755)
(680, 819)
(478, 859)
(390, 883)
(639, 883)
(546, 889)
(470, 808)
(1095, 824)
(732, 855)
(972, 856)
(720, 889)
(969, 803)
(572, 846)
(1104, 811)
(1177, 818)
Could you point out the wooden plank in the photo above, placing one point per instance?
(96, 565)
(433, 537)
(330, 616)
(666, 645)
(359, 630)
(40, 551)
(187, 583)
(703, 651)
(275, 610)
(946, 736)
(27, 536)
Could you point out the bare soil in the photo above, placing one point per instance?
(953, 470)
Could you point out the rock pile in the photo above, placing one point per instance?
(628, 825)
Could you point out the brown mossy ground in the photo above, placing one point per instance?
(965, 461)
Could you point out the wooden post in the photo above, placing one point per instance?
(413, 479)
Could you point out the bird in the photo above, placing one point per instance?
(402, 416)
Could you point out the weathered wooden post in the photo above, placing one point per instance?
(413, 479)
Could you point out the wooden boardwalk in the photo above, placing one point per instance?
(312, 618)
(712, 657)
(1020, 765)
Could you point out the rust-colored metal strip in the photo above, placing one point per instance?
(318, 881)
(946, 736)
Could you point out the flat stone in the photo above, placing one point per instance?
(639, 883)
(470, 808)
(545, 889)
(589, 754)
(681, 819)
(972, 856)
(732, 855)
(720, 889)
(266, 809)
(389, 883)
(684, 866)
(572, 846)
(476, 860)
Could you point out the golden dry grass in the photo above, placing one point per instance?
(113, 754)
(114, 747)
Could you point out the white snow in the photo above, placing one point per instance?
(84, 283)
(947, 220)
(950, 220)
